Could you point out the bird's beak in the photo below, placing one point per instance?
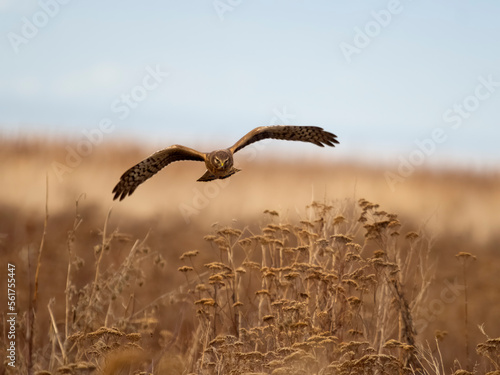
(222, 164)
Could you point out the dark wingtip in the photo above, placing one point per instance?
(116, 192)
(332, 141)
(120, 193)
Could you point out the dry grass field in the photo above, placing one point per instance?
(285, 268)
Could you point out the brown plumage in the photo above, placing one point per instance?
(219, 163)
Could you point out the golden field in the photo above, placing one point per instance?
(187, 277)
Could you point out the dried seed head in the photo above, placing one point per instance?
(306, 233)
(440, 335)
(355, 332)
(268, 230)
(298, 325)
(351, 257)
(219, 340)
(307, 223)
(411, 236)
(229, 232)
(264, 240)
(217, 266)
(222, 243)
(206, 302)
(278, 303)
(354, 301)
(394, 224)
(105, 331)
(279, 242)
(393, 344)
(268, 318)
(216, 279)
(292, 275)
(354, 246)
(314, 276)
(189, 254)
(350, 282)
(463, 256)
(201, 288)
(269, 274)
(339, 219)
(353, 345)
(275, 226)
(271, 212)
(245, 242)
(366, 205)
(323, 242)
(262, 292)
(65, 370)
(341, 239)
(251, 265)
(134, 337)
(275, 363)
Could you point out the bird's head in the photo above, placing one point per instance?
(221, 159)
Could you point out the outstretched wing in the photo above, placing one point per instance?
(312, 134)
(148, 167)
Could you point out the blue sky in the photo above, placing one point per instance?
(382, 75)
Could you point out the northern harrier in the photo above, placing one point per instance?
(219, 163)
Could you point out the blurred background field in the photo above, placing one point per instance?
(455, 211)
(411, 89)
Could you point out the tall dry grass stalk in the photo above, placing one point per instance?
(334, 293)
(327, 294)
(33, 306)
(90, 337)
(464, 258)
